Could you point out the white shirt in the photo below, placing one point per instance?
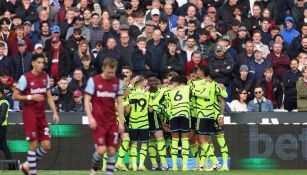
(237, 106)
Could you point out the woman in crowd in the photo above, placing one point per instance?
(239, 104)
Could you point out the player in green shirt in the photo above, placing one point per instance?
(157, 141)
(178, 99)
(138, 105)
(203, 89)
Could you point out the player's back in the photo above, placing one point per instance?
(139, 102)
(179, 101)
(103, 98)
(31, 84)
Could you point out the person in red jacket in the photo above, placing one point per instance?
(15, 37)
(195, 61)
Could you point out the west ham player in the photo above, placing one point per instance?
(101, 92)
(33, 88)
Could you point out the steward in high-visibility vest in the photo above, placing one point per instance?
(4, 108)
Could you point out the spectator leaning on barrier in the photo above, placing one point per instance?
(301, 87)
(289, 82)
(260, 103)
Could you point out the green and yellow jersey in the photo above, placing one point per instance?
(138, 100)
(178, 100)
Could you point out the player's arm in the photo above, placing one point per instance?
(120, 108)
(89, 91)
(222, 110)
(21, 86)
(52, 107)
(202, 93)
(220, 90)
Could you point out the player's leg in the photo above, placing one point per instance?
(133, 134)
(110, 160)
(184, 126)
(174, 149)
(152, 152)
(224, 150)
(123, 149)
(161, 148)
(96, 158)
(193, 142)
(104, 162)
(43, 149)
(144, 138)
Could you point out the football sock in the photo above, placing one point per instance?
(110, 165)
(32, 162)
(162, 150)
(96, 159)
(223, 147)
(133, 154)
(123, 150)
(143, 153)
(185, 150)
(194, 151)
(152, 152)
(40, 152)
(174, 150)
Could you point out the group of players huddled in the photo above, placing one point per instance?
(141, 111)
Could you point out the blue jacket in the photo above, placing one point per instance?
(289, 35)
(266, 106)
(257, 73)
(172, 21)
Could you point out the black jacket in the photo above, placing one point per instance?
(66, 102)
(21, 64)
(6, 63)
(74, 85)
(29, 14)
(289, 80)
(239, 84)
(277, 89)
(139, 62)
(65, 62)
(224, 75)
(107, 53)
(176, 62)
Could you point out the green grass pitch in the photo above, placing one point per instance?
(234, 172)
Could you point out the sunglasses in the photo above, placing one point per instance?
(258, 92)
(244, 93)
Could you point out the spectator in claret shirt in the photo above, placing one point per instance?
(279, 61)
(17, 36)
(64, 9)
(196, 61)
(289, 82)
(271, 87)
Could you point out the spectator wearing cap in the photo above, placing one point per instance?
(59, 61)
(125, 48)
(234, 30)
(189, 47)
(4, 29)
(67, 23)
(5, 61)
(79, 23)
(31, 35)
(141, 58)
(218, 24)
(289, 32)
(38, 49)
(96, 32)
(205, 44)
(62, 13)
(155, 16)
(78, 102)
(195, 62)
(172, 60)
(254, 21)
(51, 10)
(78, 81)
(149, 30)
(27, 11)
(289, 82)
(257, 37)
(65, 101)
(21, 60)
(55, 32)
(109, 52)
(272, 87)
(138, 25)
(280, 62)
(225, 12)
(258, 64)
(220, 66)
(153, 9)
(301, 88)
(116, 8)
(265, 31)
(17, 36)
(172, 18)
(87, 68)
(16, 21)
(239, 42)
(43, 16)
(243, 81)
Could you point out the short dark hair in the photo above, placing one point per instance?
(4, 72)
(256, 31)
(127, 67)
(266, 19)
(175, 79)
(37, 56)
(194, 70)
(43, 22)
(5, 20)
(205, 70)
(204, 32)
(172, 41)
(152, 75)
(140, 39)
(138, 14)
(192, 22)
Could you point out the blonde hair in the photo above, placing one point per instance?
(79, 48)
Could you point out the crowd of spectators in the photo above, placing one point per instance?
(256, 49)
